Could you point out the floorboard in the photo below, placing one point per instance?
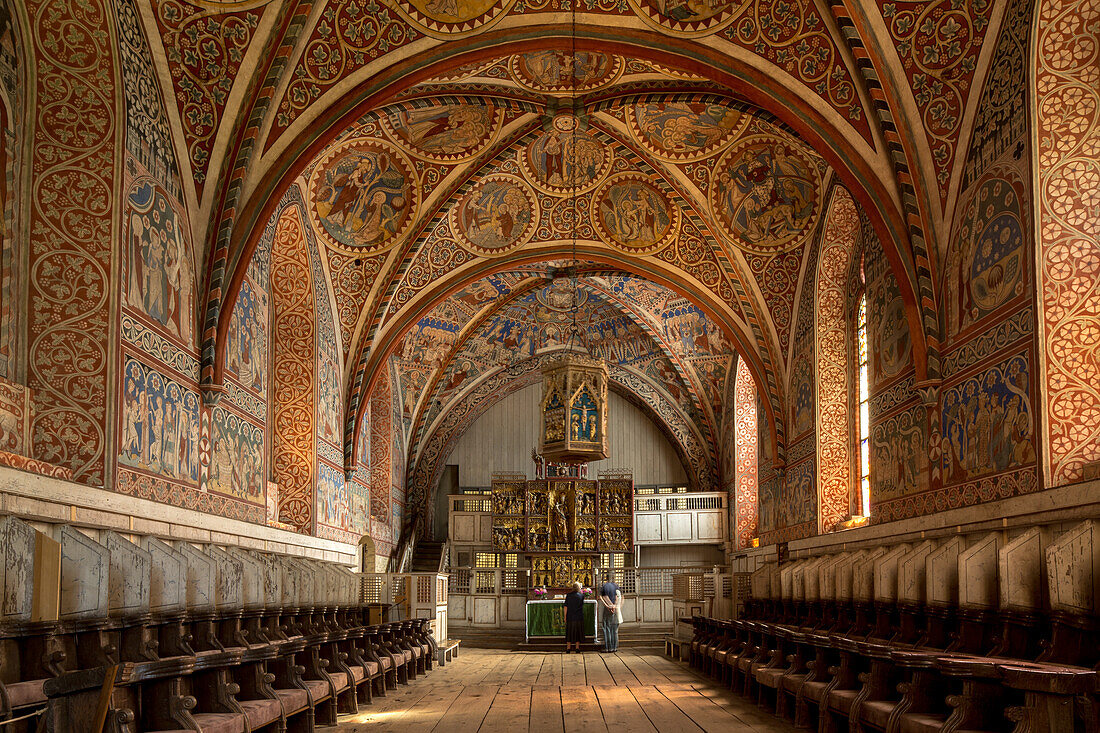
(528, 670)
(581, 710)
(619, 670)
(595, 670)
(573, 670)
(662, 712)
(497, 691)
(510, 711)
(550, 672)
(645, 674)
(468, 709)
(546, 714)
(621, 710)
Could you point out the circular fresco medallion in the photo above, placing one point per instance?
(561, 296)
(452, 18)
(447, 133)
(363, 195)
(682, 131)
(688, 18)
(565, 160)
(564, 72)
(632, 214)
(764, 194)
(497, 215)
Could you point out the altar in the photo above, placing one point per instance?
(546, 620)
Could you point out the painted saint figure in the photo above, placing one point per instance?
(363, 198)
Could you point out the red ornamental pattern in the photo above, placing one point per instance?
(347, 37)
(938, 42)
(1068, 129)
(294, 380)
(834, 446)
(352, 279)
(792, 35)
(381, 447)
(745, 442)
(205, 51)
(75, 157)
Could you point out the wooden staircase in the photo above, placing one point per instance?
(427, 558)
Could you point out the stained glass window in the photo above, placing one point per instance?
(864, 412)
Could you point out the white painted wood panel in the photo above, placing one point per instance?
(502, 439)
(710, 526)
(485, 611)
(678, 526)
(649, 527)
(464, 528)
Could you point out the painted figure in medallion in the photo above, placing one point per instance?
(495, 215)
(683, 127)
(635, 214)
(454, 129)
(561, 70)
(363, 198)
(766, 195)
(687, 11)
(564, 159)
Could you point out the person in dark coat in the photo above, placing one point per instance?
(574, 619)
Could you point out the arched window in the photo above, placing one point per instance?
(863, 426)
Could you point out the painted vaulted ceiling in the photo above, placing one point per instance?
(453, 154)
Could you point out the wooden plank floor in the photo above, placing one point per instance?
(499, 691)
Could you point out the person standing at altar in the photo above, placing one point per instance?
(611, 601)
(574, 619)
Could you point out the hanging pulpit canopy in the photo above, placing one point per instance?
(574, 410)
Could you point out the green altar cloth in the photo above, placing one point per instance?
(547, 619)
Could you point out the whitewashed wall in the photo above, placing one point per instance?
(502, 439)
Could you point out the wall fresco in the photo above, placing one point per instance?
(246, 345)
(12, 278)
(160, 425)
(76, 133)
(329, 396)
(237, 457)
(988, 425)
(294, 454)
(987, 261)
(161, 263)
(899, 455)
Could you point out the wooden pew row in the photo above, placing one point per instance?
(967, 633)
(164, 636)
(830, 682)
(1032, 597)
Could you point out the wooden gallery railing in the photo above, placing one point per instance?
(978, 634)
(136, 638)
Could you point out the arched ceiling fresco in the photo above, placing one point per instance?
(702, 193)
(446, 151)
(498, 327)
